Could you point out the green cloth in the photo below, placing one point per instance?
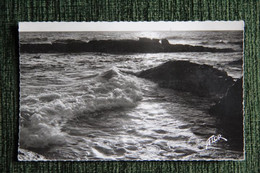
(13, 11)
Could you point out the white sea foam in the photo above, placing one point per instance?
(42, 121)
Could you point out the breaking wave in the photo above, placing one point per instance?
(44, 114)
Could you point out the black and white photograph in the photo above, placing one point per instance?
(110, 91)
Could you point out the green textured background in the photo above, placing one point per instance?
(13, 11)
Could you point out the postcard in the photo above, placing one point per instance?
(111, 91)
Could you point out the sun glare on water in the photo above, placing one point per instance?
(149, 35)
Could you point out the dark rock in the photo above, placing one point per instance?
(237, 62)
(68, 41)
(202, 80)
(231, 103)
(240, 43)
(143, 45)
(229, 111)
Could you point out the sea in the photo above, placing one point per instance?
(69, 111)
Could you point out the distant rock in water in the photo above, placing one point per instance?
(237, 62)
(202, 80)
(143, 45)
(68, 41)
(25, 155)
(229, 111)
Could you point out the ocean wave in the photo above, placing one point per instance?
(42, 121)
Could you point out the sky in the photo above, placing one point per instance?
(130, 26)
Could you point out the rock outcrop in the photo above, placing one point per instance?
(143, 45)
(229, 111)
(202, 80)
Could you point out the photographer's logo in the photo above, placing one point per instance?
(213, 139)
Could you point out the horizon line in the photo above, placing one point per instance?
(131, 26)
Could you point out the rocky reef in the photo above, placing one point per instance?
(201, 80)
(142, 45)
(206, 81)
(229, 111)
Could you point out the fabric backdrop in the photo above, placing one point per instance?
(13, 11)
